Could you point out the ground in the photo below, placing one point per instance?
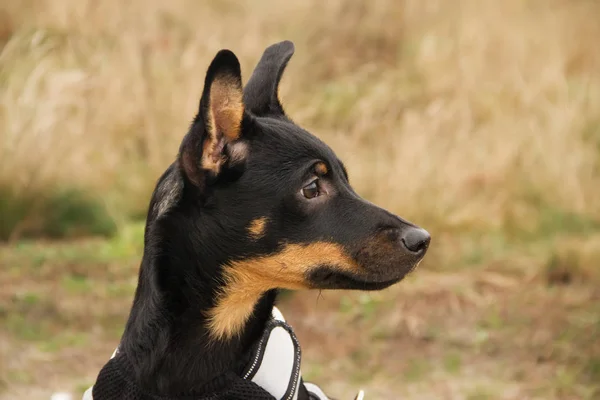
(507, 326)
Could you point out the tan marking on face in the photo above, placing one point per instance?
(256, 229)
(247, 280)
(321, 169)
(226, 110)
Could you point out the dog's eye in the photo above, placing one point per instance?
(311, 190)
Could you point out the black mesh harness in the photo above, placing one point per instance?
(272, 374)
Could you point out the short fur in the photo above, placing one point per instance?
(234, 219)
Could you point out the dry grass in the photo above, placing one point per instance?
(469, 114)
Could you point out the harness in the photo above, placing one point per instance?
(273, 373)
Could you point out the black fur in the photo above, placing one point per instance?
(261, 91)
(197, 223)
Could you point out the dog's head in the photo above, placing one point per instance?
(266, 205)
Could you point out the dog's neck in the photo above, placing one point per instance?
(168, 336)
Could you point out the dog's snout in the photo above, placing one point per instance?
(416, 239)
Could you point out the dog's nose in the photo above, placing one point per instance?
(416, 239)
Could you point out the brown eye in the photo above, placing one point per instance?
(311, 190)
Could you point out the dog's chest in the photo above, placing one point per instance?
(272, 373)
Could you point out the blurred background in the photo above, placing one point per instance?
(476, 119)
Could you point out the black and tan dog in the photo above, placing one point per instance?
(252, 204)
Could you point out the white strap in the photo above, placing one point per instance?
(276, 366)
(315, 391)
(276, 369)
(88, 394)
(277, 314)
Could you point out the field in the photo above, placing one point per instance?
(478, 120)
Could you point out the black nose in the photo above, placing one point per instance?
(416, 239)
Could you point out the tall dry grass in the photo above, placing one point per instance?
(471, 114)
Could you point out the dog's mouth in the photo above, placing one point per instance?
(326, 277)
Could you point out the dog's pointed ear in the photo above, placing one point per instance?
(261, 94)
(215, 137)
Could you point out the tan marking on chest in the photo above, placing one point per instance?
(247, 280)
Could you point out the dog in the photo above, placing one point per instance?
(253, 204)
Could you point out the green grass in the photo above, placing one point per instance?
(312, 372)
(30, 298)
(481, 393)
(64, 213)
(123, 245)
(26, 329)
(553, 221)
(416, 370)
(19, 376)
(452, 362)
(76, 284)
(56, 343)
